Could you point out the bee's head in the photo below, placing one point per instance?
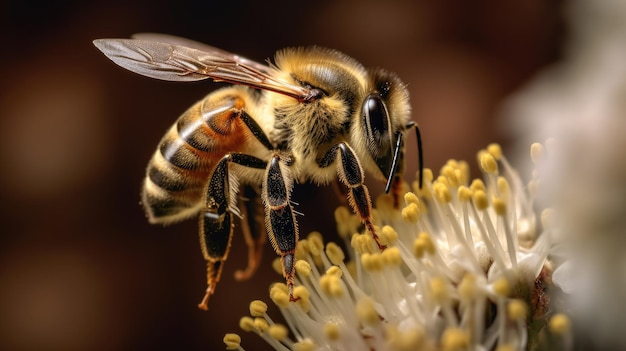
(383, 118)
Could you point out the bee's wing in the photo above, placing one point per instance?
(170, 61)
(172, 39)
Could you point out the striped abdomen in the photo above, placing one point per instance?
(180, 167)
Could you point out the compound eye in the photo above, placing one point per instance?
(376, 121)
(375, 116)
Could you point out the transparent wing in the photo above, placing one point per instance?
(172, 39)
(174, 62)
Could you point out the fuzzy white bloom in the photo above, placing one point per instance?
(581, 103)
(465, 269)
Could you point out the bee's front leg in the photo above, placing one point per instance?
(216, 227)
(351, 174)
(280, 218)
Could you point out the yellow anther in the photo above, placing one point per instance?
(442, 193)
(361, 243)
(367, 243)
(456, 178)
(247, 324)
(480, 200)
(429, 245)
(281, 299)
(464, 194)
(468, 289)
(447, 170)
(438, 289)
(301, 292)
(331, 330)
(441, 179)
(261, 324)
(546, 217)
(335, 271)
(316, 243)
(502, 287)
(411, 213)
(488, 164)
(536, 152)
(335, 253)
(480, 154)
(454, 339)
(503, 186)
(232, 341)
(258, 308)
(342, 218)
(560, 324)
(428, 175)
(391, 257)
(302, 250)
(278, 331)
(499, 206)
(517, 310)
(407, 340)
(276, 287)
(302, 295)
(452, 173)
(303, 268)
(366, 312)
(342, 213)
(277, 266)
(423, 245)
(478, 184)
(495, 150)
(372, 262)
(279, 296)
(331, 285)
(452, 163)
(304, 345)
(388, 235)
(411, 198)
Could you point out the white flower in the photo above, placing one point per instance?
(464, 269)
(581, 103)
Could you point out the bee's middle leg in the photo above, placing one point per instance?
(280, 217)
(216, 218)
(351, 174)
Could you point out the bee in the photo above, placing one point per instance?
(314, 114)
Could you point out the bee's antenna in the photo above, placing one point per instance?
(420, 153)
(394, 162)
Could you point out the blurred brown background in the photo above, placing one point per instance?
(80, 268)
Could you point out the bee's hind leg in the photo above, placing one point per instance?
(216, 225)
(253, 229)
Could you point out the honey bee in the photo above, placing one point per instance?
(314, 114)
